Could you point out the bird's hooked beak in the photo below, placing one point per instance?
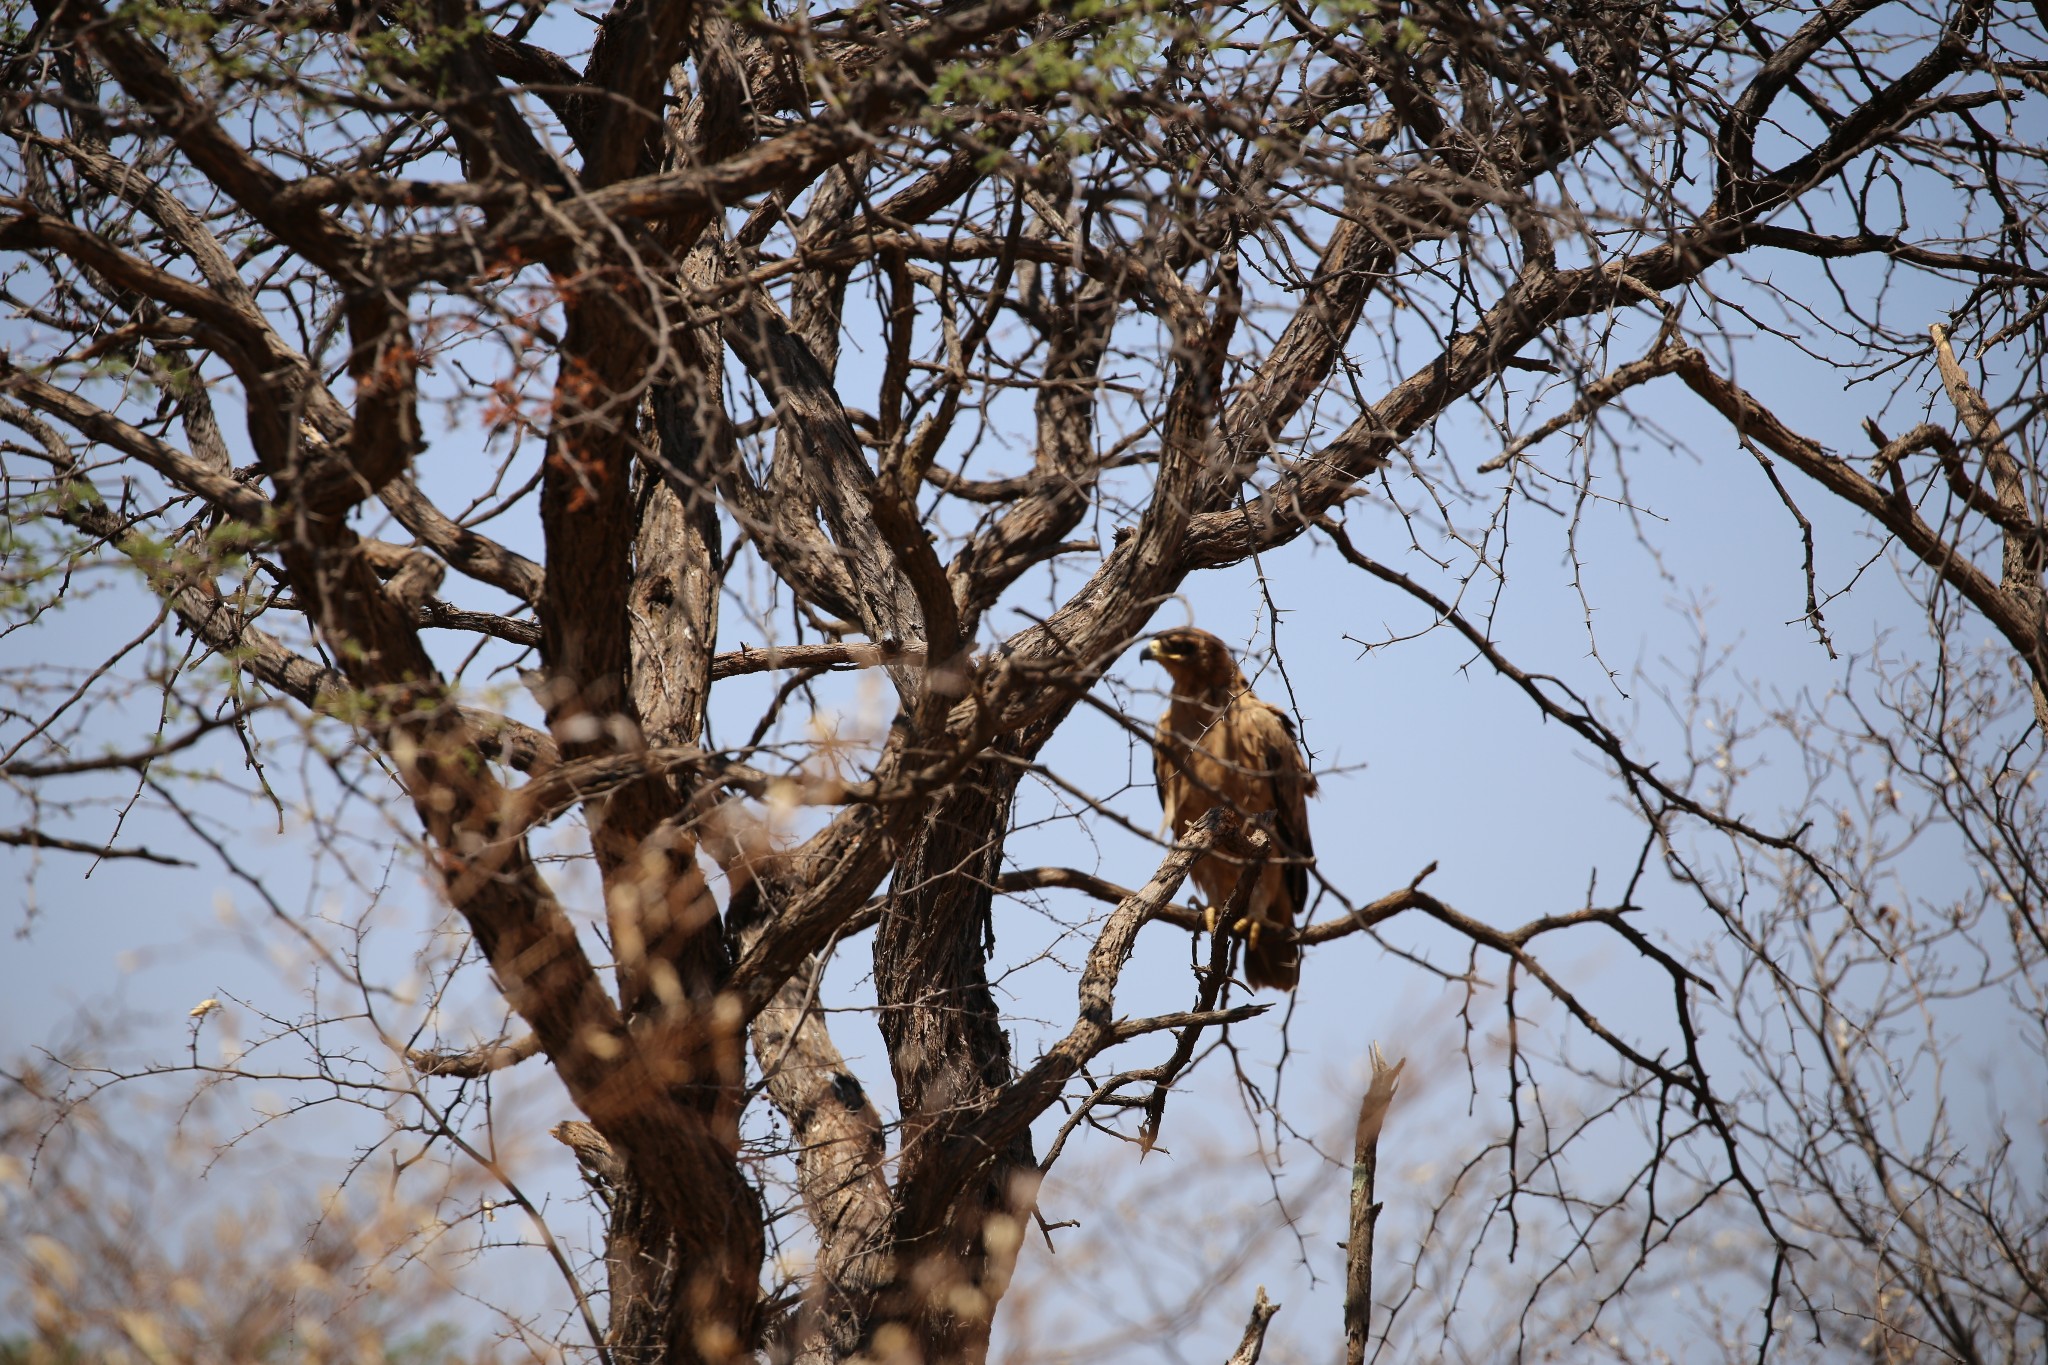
(1151, 650)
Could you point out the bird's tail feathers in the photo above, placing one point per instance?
(1272, 962)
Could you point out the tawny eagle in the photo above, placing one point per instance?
(1219, 745)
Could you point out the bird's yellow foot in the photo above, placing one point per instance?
(1209, 914)
(1249, 927)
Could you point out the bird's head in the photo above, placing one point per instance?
(1194, 659)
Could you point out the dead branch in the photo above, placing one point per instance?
(1365, 1208)
(470, 1063)
(1254, 1340)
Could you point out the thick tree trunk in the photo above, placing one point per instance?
(948, 1052)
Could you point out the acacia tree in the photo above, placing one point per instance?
(1141, 246)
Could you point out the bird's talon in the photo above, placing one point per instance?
(1209, 913)
(1249, 927)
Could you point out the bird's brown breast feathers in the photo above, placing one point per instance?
(1241, 756)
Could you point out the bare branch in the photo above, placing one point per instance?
(1254, 1340)
(476, 1061)
(1365, 1208)
(32, 838)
